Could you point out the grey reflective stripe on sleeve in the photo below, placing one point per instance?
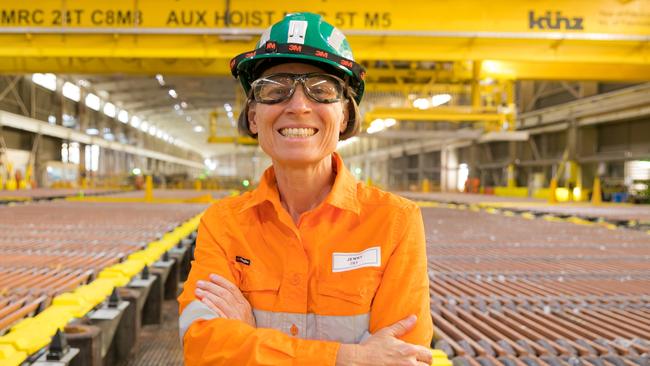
(193, 311)
(364, 336)
(338, 328)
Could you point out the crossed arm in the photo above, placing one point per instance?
(381, 348)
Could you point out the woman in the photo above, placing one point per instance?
(311, 267)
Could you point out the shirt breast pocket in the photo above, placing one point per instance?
(259, 288)
(349, 291)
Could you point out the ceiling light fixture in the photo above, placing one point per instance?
(160, 79)
(48, 81)
(110, 111)
(422, 103)
(440, 99)
(92, 101)
(71, 91)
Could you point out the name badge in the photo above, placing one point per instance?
(370, 257)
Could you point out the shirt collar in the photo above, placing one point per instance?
(343, 194)
(344, 191)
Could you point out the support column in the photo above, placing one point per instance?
(573, 172)
(476, 91)
(512, 157)
(449, 169)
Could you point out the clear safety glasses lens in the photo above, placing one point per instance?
(276, 88)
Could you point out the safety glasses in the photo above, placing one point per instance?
(276, 88)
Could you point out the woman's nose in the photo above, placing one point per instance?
(299, 102)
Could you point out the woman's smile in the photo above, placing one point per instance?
(297, 133)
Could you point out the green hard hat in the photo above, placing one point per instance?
(301, 37)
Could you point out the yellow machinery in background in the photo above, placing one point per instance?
(213, 138)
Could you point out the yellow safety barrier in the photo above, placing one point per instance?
(53, 318)
(32, 334)
(511, 191)
(439, 358)
(148, 189)
(122, 273)
(77, 303)
(596, 196)
(149, 255)
(552, 197)
(96, 291)
(11, 184)
(10, 356)
(528, 215)
(607, 225)
(28, 339)
(552, 218)
(426, 186)
(579, 221)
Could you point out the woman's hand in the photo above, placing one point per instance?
(384, 348)
(225, 299)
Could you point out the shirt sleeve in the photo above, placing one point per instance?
(210, 340)
(404, 288)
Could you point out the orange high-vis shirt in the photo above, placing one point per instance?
(353, 265)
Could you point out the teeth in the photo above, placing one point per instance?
(297, 132)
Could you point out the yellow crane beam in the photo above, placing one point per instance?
(239, 140)
(540, 40)
(437, 114)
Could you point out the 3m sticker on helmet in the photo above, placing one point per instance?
(297, 31)
(335, 39)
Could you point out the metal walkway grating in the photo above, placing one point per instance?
(158, 344)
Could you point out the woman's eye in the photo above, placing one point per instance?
(275, 91)
(323, 91)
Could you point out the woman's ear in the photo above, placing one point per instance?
(346, 117)
(252, 122)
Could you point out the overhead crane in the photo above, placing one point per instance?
(506, 41)
(522, 40)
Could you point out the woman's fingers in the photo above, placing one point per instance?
(216, 289)
(401, 327)
(215, 278)
(226, 297)
(219, 296)
(205, 298)
(424, 355)
(229, 286)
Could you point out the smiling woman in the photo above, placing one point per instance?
(311, 267)
(292, 127)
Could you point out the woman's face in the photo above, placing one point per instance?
(297, 131)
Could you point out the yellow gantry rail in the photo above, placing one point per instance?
(578, 40)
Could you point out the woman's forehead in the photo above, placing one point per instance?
(293, 67)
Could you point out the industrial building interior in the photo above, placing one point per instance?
(521, 129)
